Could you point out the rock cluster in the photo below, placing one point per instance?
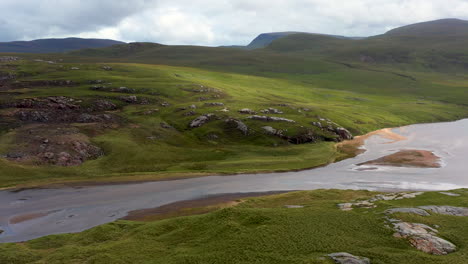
(346, 258)
(331, 127)
(8, 58)
(271, 111)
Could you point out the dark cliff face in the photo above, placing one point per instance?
(55, 45)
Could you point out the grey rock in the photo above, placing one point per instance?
(214, 104)
(270, 119)
(417, 211)
(239, 125)
(447, 210)
(201, 120)
(346, 258)
(271, 111)
(247, 111)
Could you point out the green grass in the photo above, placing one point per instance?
(258, 230)
(360, 100)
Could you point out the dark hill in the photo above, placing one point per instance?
(55, 45)
(442, 27)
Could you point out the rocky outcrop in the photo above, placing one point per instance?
(423, 238)
(270, 119)
(369, 203)
(214, 104)
(271, 131)
(271, 111)
(346, 258)
(327, 125)
(201, 120)
(237, 124)
(417, 211)
(446, 210)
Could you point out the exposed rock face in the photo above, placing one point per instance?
(165, 125)
(343, 133)
(201, 120)
(237, 124)
(270, 119)
(107, 68)
(247, 111)
(447, 210)
(122, 90)
(53, 145)
(408, 210)
(346, 258)
(423, 238)
(271, 111)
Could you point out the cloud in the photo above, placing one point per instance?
(213, 22)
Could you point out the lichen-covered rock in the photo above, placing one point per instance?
(201, 120)
(346, 258)
(417, 211)
(423, 238)
(272, 131)
(343, 133)
(447, 210)
(237, 124)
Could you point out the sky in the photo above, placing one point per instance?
(213, 22)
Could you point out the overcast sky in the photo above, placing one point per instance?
(213, 22)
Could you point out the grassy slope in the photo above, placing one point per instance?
(259, 230)
(130, 155)
(359, 100)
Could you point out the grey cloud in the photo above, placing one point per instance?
(215, 22)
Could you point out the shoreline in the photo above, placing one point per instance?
(353, 144)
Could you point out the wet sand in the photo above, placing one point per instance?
(72, 209)
(407, 158)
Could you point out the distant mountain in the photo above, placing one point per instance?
(55, 45)
(265, 39)
(439, 28)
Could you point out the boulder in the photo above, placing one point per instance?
(201, 120)
(237, 124)
(346, 258)
(271, 131)
(247, 111)
(270, 119)
(129, 99)
(107, 68)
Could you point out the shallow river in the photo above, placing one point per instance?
(64, 210)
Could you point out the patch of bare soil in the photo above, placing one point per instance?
(192, 207)
(408, 158)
